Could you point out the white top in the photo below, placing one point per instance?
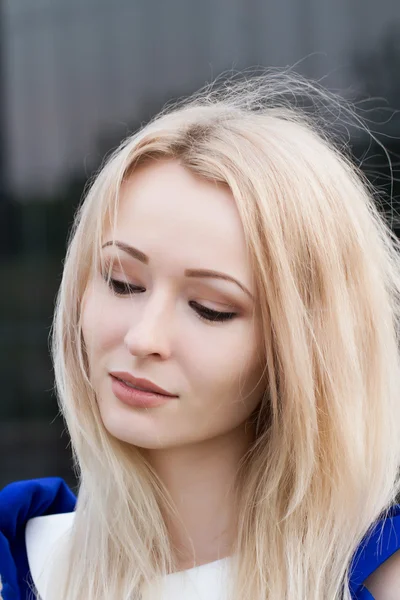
(43, 538)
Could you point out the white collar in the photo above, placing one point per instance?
(46, 536)
(43, 537)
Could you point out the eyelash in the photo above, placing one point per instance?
(120, 288)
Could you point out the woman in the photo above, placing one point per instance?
(226, 360)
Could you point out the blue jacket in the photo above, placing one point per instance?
(23, 500)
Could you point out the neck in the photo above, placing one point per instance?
(200, 479)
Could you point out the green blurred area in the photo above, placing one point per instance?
(31, 285)
(34, 244)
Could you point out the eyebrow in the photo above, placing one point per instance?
(139, 255)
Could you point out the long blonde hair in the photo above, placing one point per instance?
(325, 462)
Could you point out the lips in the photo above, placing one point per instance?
(141, 384)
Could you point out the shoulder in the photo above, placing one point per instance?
(375, 569)
(384, 583)
(21, 501)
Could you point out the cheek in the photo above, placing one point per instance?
(228, 369)
(101, 324)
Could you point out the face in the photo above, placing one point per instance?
(168, 329)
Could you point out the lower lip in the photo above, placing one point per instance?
(137, 398)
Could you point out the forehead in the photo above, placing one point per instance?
(167, 211)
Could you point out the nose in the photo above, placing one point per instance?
(150, 332)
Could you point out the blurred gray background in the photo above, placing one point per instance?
(76, 76)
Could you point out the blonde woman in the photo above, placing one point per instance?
(227, 362)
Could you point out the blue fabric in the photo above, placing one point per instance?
(19, 502)
(364, 594)
(378, 545)
(24, 500)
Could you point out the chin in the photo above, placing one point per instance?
(133, 428)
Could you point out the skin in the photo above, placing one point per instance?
(180, 221)
(384, 582)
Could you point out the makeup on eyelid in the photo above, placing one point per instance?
(214, 291)
(139, 256)
(211, 316)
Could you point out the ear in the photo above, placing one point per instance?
(384, 582)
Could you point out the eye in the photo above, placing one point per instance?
(122, 288)
(207, 314)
